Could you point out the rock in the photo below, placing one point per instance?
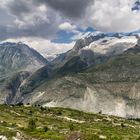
(3, 137)
(19, 136)
(102, 137)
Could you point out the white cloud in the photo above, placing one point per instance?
(44, 47)
(68, 27)
(112, 15)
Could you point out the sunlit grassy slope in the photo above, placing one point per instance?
(64, 124)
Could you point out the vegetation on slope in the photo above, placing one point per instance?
(63, 124)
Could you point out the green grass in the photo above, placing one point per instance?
(51, 123)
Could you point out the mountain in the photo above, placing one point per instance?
(101, 73)
(17, 62)
(97, 44)
(91, 49)
(19, 56)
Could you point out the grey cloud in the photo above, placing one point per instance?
(17, 8)
(33, 24)
(5, 18)
(40, 30)
(69, 8)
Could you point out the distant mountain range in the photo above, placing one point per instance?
(100, 73)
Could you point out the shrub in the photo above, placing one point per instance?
(122, 125)
(45, 128)
(32, 124)
(20, 104)
(71, 127)
(100, 112)
(138, 138)
(30, 112)
(42, 108)
(59, 113)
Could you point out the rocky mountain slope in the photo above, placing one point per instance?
(17, 62)
(104, 78)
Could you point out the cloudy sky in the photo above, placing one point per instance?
(52, 26)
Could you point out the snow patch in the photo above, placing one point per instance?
(108, 45)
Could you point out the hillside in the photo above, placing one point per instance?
(28, 122)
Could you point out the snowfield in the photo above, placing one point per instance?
(112, 45)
